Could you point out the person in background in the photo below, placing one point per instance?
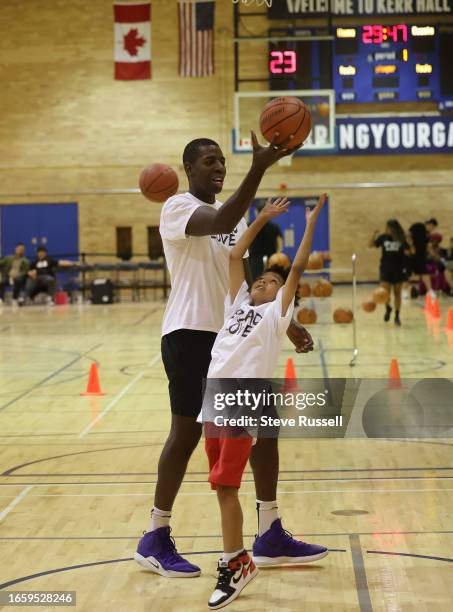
(418, 242)
(267, 242)
(14, 270)
(431, 225)
(449, 260)
(392, 272)
(436, 266)
(450, 251)
(436, 240)
(42, 274)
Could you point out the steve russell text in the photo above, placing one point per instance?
(268, 421)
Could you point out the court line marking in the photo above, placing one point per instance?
(219, 536)
(15, 501)
(146, 315)
(199, 552)
(110, 405)
(205, 473)
(192, 482)
(209, 492)
(82, 565)
(399, 554)
(9, 472)
(363, 593)
(59, 371)
(117, 398)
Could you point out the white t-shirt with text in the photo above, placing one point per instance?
(198, 267)
(250, 340)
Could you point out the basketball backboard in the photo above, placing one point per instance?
(249, 104)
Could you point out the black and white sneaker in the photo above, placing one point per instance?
(233, 577)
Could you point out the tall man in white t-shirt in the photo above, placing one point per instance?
(198, 232)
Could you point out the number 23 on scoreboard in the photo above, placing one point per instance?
(282, 62)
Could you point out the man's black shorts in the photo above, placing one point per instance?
(186, 354)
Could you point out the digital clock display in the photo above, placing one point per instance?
(364, 63)
(282, 62)
(378, 34)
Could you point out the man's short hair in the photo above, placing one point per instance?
(42, 249)
(191, 151)
(20, 244)
(433, 221)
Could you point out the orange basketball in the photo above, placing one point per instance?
(369, 306)
(304, 290)
(158, 182)
(289, 117)
(343, 315)
(279, 259)
(326, 287)
(380, 295)
(315, 261)
(318, 290)
(306, 316)
(323, 109)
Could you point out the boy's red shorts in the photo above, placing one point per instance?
(227, 455)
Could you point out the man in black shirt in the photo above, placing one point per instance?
(268, 241)
(42, 274)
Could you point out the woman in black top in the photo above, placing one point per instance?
(393, 264)
(419, 239)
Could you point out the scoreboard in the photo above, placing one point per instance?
(365, 63)
(386, 63)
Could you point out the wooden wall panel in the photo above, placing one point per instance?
(67, 125)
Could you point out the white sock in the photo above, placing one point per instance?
(228, 556)
(267, 514)
(159, 518)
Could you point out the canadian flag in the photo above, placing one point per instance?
(132, 41)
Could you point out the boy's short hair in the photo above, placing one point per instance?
(280, 270)
(41, 249)
(433, 221)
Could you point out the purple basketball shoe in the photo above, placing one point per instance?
(278, 547)
(157, 552)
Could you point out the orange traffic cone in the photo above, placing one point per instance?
(428, 302)
(450, 320)
(290, 377)
(394, 381)
(93, 386)
(435, 309)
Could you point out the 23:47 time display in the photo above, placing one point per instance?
(377, 34)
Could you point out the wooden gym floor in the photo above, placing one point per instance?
(77, 474)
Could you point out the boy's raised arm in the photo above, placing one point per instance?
(236, 271)
(302, 255)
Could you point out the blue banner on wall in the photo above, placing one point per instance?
(394, 135)
(292, 224)
(302, 8)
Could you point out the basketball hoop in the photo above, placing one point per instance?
(268, 3)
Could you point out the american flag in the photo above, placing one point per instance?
(196, 38)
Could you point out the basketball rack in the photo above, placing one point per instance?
(353, 270)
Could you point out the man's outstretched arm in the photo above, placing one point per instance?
(206, 221)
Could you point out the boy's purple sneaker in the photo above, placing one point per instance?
(278, 547)
(157, 552)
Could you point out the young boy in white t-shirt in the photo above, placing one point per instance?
(247, 346)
